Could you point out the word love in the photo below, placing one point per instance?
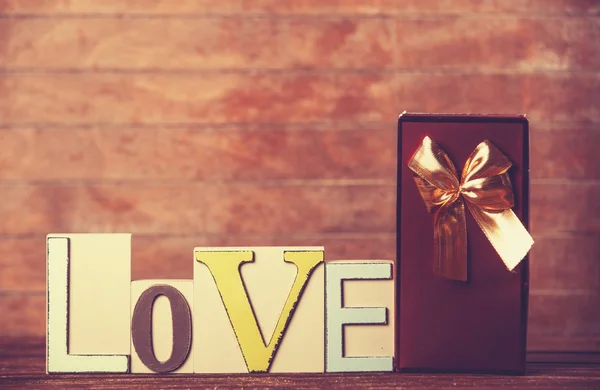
(256, 309)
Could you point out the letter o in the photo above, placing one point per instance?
(141, 328)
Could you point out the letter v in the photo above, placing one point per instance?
(225, 269)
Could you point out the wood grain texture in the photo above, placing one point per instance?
(565, 153)
(268, 122)
(187, 153)
(195, 98)
(306, 7)
(543, 96)
(579, 316)
(522, 44)
(408, 7)
(207, 43)
(565, 207)
(199, 208)
(563, 264)
(22, 366)
(25, 316)
(224, 97)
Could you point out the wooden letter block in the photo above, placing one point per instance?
(88, 295)
(360, 316)
(258, 309)
(161, 323)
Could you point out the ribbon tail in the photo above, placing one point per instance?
(505, 232)
(450, 241)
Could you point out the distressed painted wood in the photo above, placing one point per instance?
(244, 306)
(88, 293)
(350, 350)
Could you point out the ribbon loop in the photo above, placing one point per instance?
(434, 166)
(493, 194)
(484, 162)
(485, 188)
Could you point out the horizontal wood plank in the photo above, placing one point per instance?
(543, 97)
(235, 208)
(521, 44)
(569, 344)
(566, 264)
(211, 43)
(565, 208)
(408, 7)
(565, 153)
(196, 98)
(306, 7)
(186, 153)
(23, 315)
(288, 97)
(579, 316)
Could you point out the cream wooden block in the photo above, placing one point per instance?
(360, 315)
(302, 349)
(162, 323)
(88, 294)
(268, 281)
(370, 340)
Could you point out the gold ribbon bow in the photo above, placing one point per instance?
(485, 188)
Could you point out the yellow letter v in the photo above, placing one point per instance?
(225, 269)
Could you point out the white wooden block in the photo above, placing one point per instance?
(88, 277)
(360, 316)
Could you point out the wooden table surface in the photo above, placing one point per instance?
(22, 366)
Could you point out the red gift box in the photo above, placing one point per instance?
(478, 325)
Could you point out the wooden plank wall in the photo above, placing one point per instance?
(238, 122)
